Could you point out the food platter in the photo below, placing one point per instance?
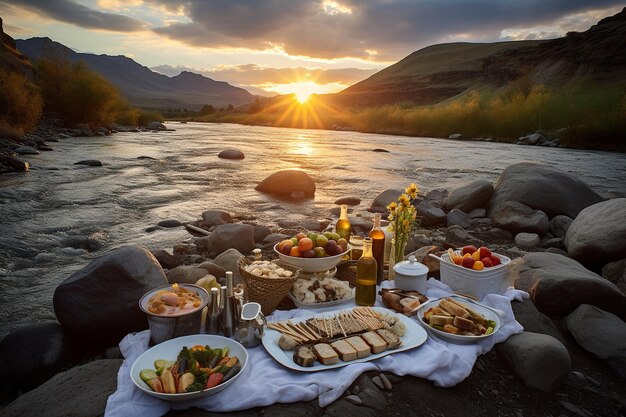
(414, 336)
(325, 304)
(169, 350)
(308, 293)
(487, 312)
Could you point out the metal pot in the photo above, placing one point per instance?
(164, 328)
(251, 327)
(411, 275)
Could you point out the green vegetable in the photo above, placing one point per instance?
(203, 357)
(196, 386)
(489, 330)
(225, 351)
(436, 326)
(231, 373)
(491, 323)
(147, 374)
(162, 363)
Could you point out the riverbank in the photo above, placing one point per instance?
(552, 356)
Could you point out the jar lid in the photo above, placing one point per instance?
(357, 240)
(410, 267)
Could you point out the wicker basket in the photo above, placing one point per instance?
(268, 292)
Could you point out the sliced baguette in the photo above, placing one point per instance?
(325, 354)
(474, 316)
(392, 339)
(376, 342)
(345, 350)
(465, 324)
(449, 328)
(363, 350)
(437, 320)
(453, 309)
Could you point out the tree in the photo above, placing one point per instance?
(207, 109)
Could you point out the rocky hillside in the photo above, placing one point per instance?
(439, 72)
(12, 60)
(141, 86)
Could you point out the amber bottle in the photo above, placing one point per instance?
(378, 246)
(343, 227)
(366, 276)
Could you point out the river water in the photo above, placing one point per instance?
(43, 210)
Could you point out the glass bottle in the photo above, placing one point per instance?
(356, 247)
(392, 260)
(343, 227)
(378, 247)
(366, 276)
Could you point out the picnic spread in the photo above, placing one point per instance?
(226, 348)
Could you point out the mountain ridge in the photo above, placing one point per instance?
(141, 86)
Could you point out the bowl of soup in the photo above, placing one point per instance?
(174, 310)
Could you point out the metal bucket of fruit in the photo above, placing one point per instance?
(174, 310)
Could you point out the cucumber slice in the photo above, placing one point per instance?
(225, 351)
(161, 365)
(147, 374)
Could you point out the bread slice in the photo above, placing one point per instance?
(304, 356)
(453, 308)
(345, 350)
(325, 354)
(475, 317)
(439, 311)
(437, 320)
(363, 350)
(449, 328)
(376, 342)
(392, 339)
(465, 324)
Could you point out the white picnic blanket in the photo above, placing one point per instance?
(265, 381)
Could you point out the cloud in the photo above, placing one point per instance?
(252, 75)
(366, 29)
(71, 12)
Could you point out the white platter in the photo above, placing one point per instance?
(413, 337)
(311, 264)
(170, 349)
(477, 307)
(325, 304)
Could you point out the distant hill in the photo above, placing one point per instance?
(141, 86)
(440, 72)
(12, 60)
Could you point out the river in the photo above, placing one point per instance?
(43, 210)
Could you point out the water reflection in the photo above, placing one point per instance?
(301, 145)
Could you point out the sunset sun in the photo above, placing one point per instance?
(302, 96)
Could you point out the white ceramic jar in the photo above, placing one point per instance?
(411, 275)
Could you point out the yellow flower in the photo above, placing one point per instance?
(404, 200)
(392, 207)
(412, 190)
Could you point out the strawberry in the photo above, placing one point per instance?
(495, 260)
(484, 252)
(487, 262)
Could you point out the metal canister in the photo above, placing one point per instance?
(251, 326)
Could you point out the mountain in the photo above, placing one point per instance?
(141, 86)
(12, 60)
(440, 72)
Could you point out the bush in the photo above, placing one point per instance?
(20, 104)
(76, 93)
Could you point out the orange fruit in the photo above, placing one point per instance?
(294, 252)
(467, 255)
(478, 266)
(476, 256)
(457, 259)
(300, 236)
(305, 244)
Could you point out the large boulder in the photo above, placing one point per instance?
(79, 392)
(544, 188)
(559, 225)
(187, 274)
(429, 214)
(234, 235)
(600, 333)
(31, 355)
(156, 126)
(558, 285)
(517, 217)
(598, 234)
(98, 305)
(288, 183)
(470, 196)
(228, 260)
(379, 205)
(616, 273)
(541, 361)
(535, 321)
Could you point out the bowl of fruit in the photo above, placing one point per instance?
(475, 271)
(313, 252)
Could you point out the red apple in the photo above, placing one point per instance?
(495, 260)
(468, 249)
(468, 262)
(484, 252)
(487, 262)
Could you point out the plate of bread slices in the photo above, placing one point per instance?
(339, 338)
(459, 319)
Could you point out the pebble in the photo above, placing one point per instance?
(354, 399)
(386, 382)
(377, 381)
(572, 408)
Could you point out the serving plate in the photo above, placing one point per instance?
(312, 264)
(486, 311)
(170, 349)
(414, 336)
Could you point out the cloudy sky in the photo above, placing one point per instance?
(289, 45)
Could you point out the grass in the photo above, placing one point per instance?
(584, 116)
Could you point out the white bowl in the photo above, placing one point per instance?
(170, 349)
(493, 280)
(312, 264)
(479, 308)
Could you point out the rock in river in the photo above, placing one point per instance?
(544, 188)
(598, 234)
(470, 196)
(216, 217)
(379, 205)
(169, 223)
(517, 217)
(288, 183)
(227, 236)
(26, 150)
(90, 163)
(231, 153)
(98, 305)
